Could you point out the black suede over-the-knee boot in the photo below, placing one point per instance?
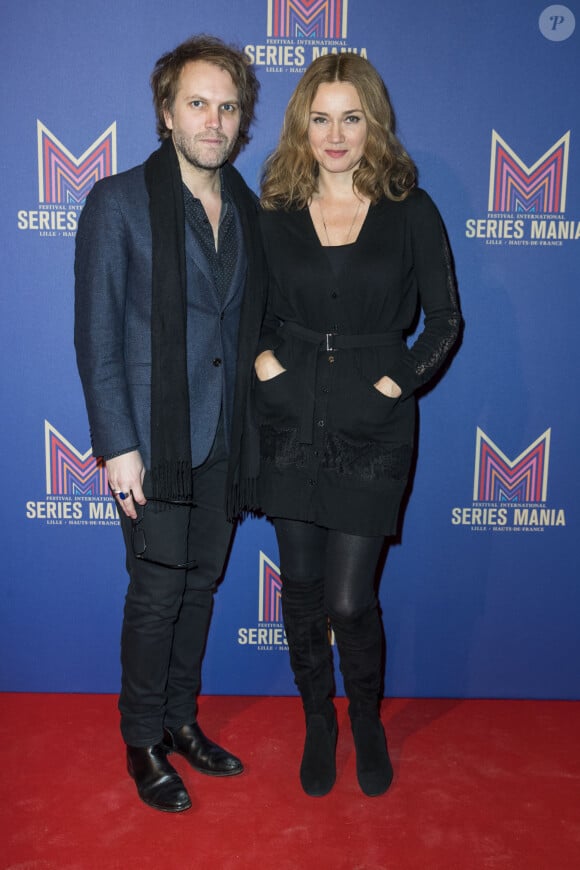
(306, 626)
(360, 646)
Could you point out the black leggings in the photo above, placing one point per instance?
(346, 563)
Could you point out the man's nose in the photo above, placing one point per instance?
(213, 118)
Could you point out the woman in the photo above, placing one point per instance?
(352, 246)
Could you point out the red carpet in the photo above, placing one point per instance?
(478, 784)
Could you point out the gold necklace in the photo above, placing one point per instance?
(350, 228)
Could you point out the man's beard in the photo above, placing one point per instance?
(202, 156)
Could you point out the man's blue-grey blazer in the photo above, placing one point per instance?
(113, 326)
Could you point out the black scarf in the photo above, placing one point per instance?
(170, 413)
(170, 426)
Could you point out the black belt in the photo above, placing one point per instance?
(329, 342)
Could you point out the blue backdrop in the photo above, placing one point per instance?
(481, 594)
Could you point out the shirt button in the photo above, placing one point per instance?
(334, 294)
(325, 389)
(217, 362)
(320, 423)
(311, 482)
(330, 359)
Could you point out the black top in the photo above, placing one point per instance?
(348, 469)
(337, 256)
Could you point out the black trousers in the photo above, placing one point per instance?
(168, 610)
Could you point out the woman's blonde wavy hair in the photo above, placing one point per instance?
(290, 176)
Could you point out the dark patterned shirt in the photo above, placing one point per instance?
(222, 262)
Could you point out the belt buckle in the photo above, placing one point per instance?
(329, 343)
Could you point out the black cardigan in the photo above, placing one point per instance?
(353, 471)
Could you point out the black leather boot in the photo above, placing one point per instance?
(158, 783)
(360, 645)
(306, 626)
(202, 753)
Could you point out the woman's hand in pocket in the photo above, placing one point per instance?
(387, 387)
(267, 366)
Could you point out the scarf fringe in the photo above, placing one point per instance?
(172, 480)
(242, 498)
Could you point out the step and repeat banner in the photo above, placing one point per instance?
(481, 593)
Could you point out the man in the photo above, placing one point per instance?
(169, 300)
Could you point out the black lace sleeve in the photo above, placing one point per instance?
(437, 289)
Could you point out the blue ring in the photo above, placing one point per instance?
(122, 495)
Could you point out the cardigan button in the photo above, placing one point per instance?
(334, 294)
(217, 362)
